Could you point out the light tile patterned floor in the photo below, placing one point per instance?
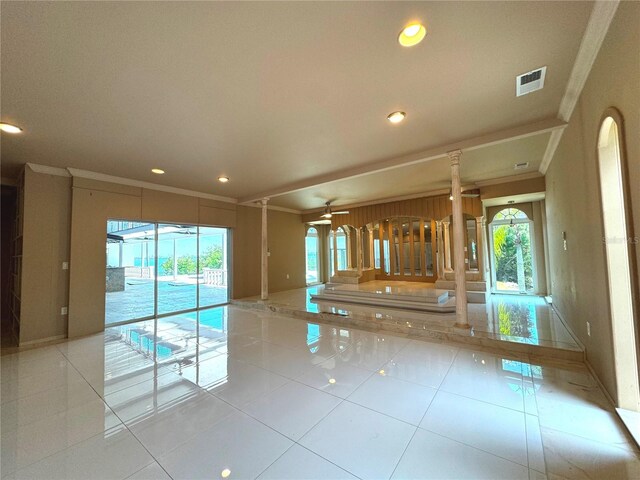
(233, 393)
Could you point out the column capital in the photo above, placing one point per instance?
(454, 156)
(264, 201)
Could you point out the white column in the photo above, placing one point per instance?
(458, 238)
(447, 247)
(440, 253)
(335, 252)
(480, 243)
(359, 251)
(264, 290)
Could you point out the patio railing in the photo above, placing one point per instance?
(214, 276)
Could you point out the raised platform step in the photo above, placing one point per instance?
(476, 290)
(472, 286)
(404, 295)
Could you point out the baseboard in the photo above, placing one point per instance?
(42, 340)
(570, 330)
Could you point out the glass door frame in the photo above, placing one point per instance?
(492, 259)
(156, 224)
(385, 227)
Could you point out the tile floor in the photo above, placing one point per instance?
(233, 393)
(525, 319)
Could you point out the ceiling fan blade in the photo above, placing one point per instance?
(470, 195)
(320, 222)
(342, 212)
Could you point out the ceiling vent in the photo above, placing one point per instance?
(530, 81)
(521, 166)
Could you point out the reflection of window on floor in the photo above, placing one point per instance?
(191, 345)
(518, 320)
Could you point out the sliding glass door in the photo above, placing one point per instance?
(130, 279)
(159, 269)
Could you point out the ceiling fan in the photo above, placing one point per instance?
(467, 194)
(328, 213)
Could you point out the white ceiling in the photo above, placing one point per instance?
(275, 93)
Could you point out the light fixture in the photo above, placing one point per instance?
(332, 381)
(223, 179)
(396, 117)
(412, 34)
(157, 171)
(225, 473)
(7, 127)
(450, 195)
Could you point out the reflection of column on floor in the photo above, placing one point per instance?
(447, 246)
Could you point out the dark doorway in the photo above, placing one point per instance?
(7, 231)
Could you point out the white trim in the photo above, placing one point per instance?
(469, 144)
(47, 170)
(601, 16)
(271, 207)
(76, 172)
(532, 246)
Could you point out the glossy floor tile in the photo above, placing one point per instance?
(234, 393)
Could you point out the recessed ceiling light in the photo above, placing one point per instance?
(225, 473)
(223, 179)
(157, 171)
(412, 34)
(332, 381)
(7, 127)
(396, 117)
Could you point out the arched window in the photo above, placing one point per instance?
(312, 256)
(510, 214)
(616, 245)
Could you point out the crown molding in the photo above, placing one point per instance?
(601, 16)
(47, 170)
(76, 172)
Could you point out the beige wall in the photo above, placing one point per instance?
(45, 284)
(65, 220)
(93, 204)
(532, 185)
(578, 275)
(285, 233)
(247, 252)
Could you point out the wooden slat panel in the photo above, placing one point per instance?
(423, 263)
(412, 257)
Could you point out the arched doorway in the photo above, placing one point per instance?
(511, 243)
(617, 228)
